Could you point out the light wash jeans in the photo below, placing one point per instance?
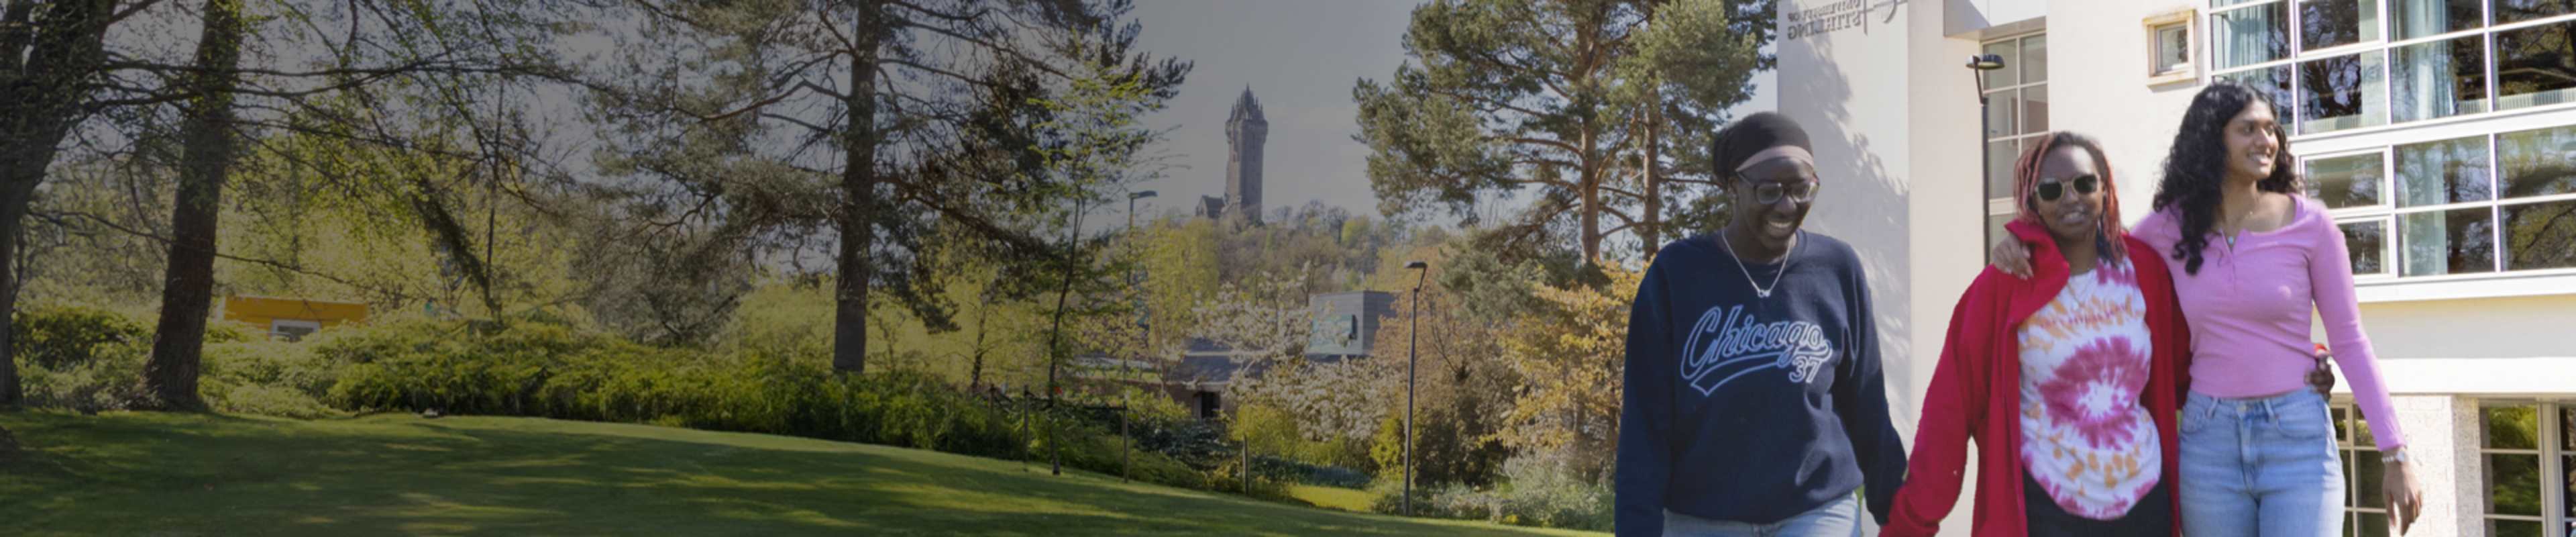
(2260, 467)
(1835, 518)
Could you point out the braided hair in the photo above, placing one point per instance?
(2026, 187)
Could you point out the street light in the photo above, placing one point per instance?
(1126, 444)
(1979, 64)
(1412, 344)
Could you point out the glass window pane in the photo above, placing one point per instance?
(2534, 66)
(2003, 77)
(2419, 18)
(2540, 236)
(2446, 171)
(2366, 242)
(2249, 36)
(2034, 109)
(1999, 163)
(2274, 82)
(2514, 528)
(2351, 181)
(2512, 11)
(2334, 23)
(2342, 93)
(1999, 113)
(2361, 435)
(2034, 59)
(2371, 524)
(1995, 228)
(2567, 439)
(2457, 241)
(2509, 426)
(2537, 162)
(2366, 473)
(2173, 47)
(2513, 484)
(2439, 79)
(2567, 494)
(2340, 415)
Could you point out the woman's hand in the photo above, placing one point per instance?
(2405, 498)
(2322, 378)
(2011, 257)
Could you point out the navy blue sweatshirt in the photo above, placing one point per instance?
(1751, 409)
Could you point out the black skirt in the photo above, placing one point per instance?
(2152, 516)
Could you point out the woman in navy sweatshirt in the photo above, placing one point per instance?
(1753, 403)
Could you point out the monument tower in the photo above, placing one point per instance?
(1244, 132)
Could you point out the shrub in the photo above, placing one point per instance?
(267, 378)
(535, 369)
(63, 336)
(1536, 492)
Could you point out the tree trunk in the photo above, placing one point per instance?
(1651, 231)
(170, 379)
(859, 192)
(47, 61)
(1589, 179)
(13, 212)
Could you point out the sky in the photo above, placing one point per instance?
(1301, 59)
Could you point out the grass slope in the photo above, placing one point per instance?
(390, 474)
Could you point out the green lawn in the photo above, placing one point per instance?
(392, 474)
(1332, 497)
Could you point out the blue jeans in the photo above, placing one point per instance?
(2260, 467)
(1838, 517)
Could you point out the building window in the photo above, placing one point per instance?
(2525, 451)
(2335, 65)
(2016, 115)
(2365, 508)
(292, 329)
(2169, 48)
(2478, 204)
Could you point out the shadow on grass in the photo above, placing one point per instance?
(160, 473)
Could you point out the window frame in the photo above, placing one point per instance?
(2392, 283)
(2002, 205)
(2186, 20)
(2549, 447)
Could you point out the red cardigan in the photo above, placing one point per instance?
(1976, 391)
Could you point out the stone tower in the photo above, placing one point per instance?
(1244, 132)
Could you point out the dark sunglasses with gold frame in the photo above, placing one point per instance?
(2084, 185)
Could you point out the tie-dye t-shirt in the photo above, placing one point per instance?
(2086, 434)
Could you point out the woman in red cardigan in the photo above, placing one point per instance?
(2069, 381)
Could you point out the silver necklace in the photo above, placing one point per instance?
(2239, 224)
(1758, 289)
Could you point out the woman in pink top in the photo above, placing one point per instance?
(2251, 260)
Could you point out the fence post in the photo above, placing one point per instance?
(1126, 447)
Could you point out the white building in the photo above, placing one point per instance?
(2440, 130)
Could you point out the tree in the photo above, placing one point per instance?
(115, 93)
(903, 117)
(52, 55)
(1599, 105)
(170, 378)
(1571, 353)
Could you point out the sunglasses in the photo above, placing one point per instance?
(2084, 185)
(1768, 193)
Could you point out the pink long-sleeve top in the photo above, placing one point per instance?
(2250, 306)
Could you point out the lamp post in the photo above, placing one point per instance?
(1126, 444)
(1412, 346)
(1979, 64)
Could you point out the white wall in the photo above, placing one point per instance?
(1884, 129)
(2097, 86)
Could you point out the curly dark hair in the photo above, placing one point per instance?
(2197, 165)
